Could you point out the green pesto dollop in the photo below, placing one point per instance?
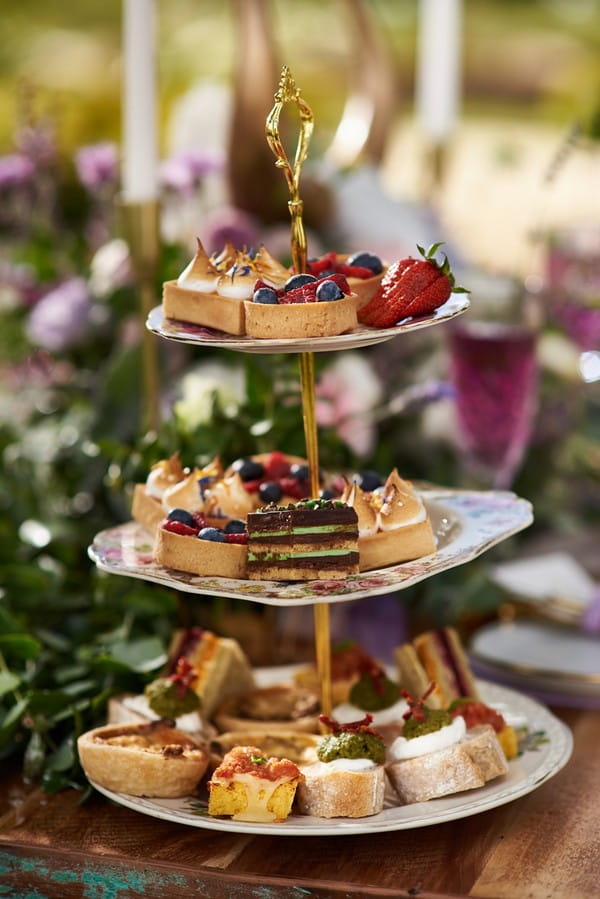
(372, 694)
(167, 699)
(352, 745)
(435, 719)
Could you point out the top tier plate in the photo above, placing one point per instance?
(185, 332)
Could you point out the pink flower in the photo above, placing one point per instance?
(346, 395)
(62, 318)
(97, 165)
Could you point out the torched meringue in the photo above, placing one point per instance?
(228, 498)
(393, 506)
(163, 475)
(202, 273)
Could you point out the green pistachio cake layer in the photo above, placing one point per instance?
(309, 540)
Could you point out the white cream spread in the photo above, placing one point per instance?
(346, 712)
(350, 764)
(446, 736)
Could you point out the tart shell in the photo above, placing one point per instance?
(151, 759)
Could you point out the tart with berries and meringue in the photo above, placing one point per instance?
(393, 524)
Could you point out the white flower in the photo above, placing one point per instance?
(200, 388)
(110, 268)
(347, 393)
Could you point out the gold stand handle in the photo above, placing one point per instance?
(287, 92)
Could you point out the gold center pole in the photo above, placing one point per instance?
(287, 92)
(141, 230)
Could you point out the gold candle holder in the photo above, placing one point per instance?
(140, 225)
(287, 92)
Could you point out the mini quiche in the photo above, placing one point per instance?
(153, 759)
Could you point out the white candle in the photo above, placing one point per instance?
(139, 180)
(438, 77)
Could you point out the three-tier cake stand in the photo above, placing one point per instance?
(465, 523)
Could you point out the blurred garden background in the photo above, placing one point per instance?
(518, 169)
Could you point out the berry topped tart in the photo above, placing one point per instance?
(410, 288)
(306, 306)
(211, 290)
(362, 270)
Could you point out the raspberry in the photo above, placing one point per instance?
(178, 527)
(240, 539)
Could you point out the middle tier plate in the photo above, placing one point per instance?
(466, 523)
(185, 332)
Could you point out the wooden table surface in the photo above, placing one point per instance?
(545, 845)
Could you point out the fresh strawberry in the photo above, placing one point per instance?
(236, 538)
(340, 280)
(410, 287)
(304, 294)
(199, 520)
(276, 465)
(354, 271)
(252, 486)
(325, 263)
(178, 527)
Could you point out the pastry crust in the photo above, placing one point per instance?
(278, 708)
(301, 320)
(202, 557)
(297, 746)
(151, 759)
(210, 310)
(329, 792)
(145, 509)
(393, 547)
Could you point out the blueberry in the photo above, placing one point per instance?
(270, 492)
(328, 291)
(298, 281)
(300, 472)
(327, 494)
(367, 260)
(265, 295)
(368, 480)
(248, 469)
(212, 534)
(183, 516)
(235, 526)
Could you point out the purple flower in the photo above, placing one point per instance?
(62, 317)
(15, 169)
(97, 165)
(229, 223)
(184, 171)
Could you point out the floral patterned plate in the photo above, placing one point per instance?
(466, 523)
(185, 332)
(546, 748)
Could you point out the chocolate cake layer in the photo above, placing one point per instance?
(309, 540)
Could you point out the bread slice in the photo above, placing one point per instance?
(331, 791)
(466, 765)
(446, 663)
(413, 677)
(222, 669)
(152, 759)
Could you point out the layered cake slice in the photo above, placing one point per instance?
(314, 539)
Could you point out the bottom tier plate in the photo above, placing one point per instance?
(466, 523)
(551, 744)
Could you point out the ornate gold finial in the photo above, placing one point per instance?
(287, 92)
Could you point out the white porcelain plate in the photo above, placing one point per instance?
(466, 523)
(549, 745)
(540, 656)
(185, 332)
